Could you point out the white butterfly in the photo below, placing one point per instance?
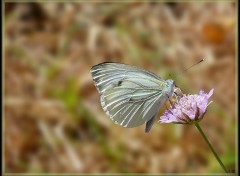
(130, 96)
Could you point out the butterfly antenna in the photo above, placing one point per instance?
(193, 65)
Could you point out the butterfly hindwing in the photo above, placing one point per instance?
(129, 95)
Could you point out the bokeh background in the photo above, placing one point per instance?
(53, 120)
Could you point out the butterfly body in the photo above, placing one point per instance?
(129, 95)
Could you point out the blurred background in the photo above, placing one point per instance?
(52, 115)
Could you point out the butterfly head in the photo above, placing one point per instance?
(173, 92)
(169, 87)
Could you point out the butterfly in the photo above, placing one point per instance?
(129, 95)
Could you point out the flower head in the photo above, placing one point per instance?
(188, 109)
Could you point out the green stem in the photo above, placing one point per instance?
(210, 146)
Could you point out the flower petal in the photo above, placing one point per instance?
(201, 92)
(210, 93)
(168, 117)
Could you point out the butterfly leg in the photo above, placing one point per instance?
(170, 101)
(166, 106)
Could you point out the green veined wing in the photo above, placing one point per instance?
(130, 96)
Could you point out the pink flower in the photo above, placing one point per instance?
(188, 109)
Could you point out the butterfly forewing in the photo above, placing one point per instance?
(129, 95)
